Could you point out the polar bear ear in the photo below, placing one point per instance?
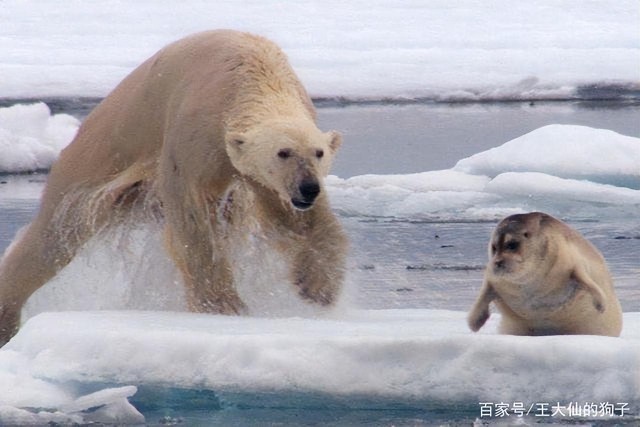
(335, 140)
(235, 139)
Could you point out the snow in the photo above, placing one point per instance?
(588, 170)
(579, 152)
(407, 355)
(31, 138)
(468, 49)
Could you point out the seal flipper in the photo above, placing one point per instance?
(480, 313)
(585, 282)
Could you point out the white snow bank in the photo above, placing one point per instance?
(360, 48)
(31, 138)
(539, 186)
(567, 151)
(404, 355)
(564, 169)
(411, 195)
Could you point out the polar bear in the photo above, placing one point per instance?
(211, 128)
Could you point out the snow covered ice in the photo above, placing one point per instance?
(588, 170)
(31, 138)
(356, 49)
(68, 366)
(576, 152)
(408, 355)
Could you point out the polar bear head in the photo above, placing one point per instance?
(289, 158)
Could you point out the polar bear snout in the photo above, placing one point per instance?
(308, 192)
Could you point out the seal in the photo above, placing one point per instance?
(546, 279)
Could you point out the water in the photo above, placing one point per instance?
(393, 263)
(392, 139)
(440, 265)
(17, 205)
(260, 409)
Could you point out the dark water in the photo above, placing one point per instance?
(387, 139)
(440, 265)
(13, 215)
(393, 264)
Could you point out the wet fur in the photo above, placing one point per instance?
(183, 138)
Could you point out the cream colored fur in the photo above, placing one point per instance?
(214, 112)
(546, 279)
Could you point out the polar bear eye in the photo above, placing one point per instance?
(285, 153)
(319, 154)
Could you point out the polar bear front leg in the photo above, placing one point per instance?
(205, 270)
(210, 288)
(195, 244)
(319, 265)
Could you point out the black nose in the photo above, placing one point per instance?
(309, 190)
(499, 264)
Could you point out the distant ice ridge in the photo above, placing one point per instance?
(407, 356)
(570, 170)
(31, 138)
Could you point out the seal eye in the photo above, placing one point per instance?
(285, 153)
(319, 154)
(512, 246)
(493, 249)
(526, 234)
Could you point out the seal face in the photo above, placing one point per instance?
(510, 244)
(545, 278)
